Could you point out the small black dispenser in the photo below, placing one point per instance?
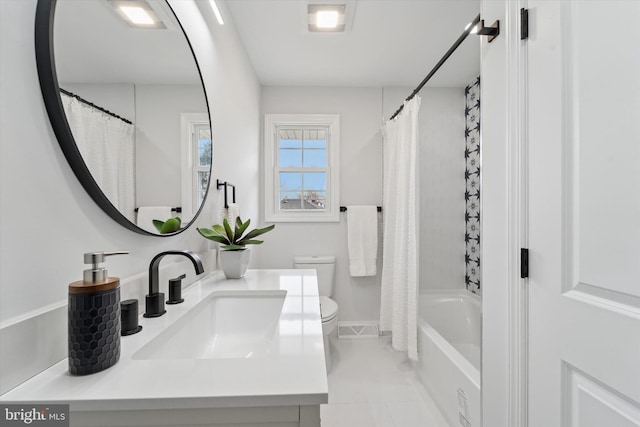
(94, 318)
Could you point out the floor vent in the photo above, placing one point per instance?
(358, 330)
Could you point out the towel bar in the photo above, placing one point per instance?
(176, 209)
(344, 208)
(226, 184)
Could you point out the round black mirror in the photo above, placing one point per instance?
(125, 98)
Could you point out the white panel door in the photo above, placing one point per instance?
(583, 70)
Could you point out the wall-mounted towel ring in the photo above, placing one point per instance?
(226, 184)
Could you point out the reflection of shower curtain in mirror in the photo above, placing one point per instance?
(107, 147)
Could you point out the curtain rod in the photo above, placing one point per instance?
(97, 107)
(446, 56)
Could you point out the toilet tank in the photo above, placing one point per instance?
(325, 267)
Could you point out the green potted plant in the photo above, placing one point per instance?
(234, 256)
(169, 226)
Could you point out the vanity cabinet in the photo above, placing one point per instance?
(280, 416)
(209, 361)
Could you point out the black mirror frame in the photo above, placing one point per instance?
(46, 66)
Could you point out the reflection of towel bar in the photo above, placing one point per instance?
(177, 209)
(226, 184)
(344, 208)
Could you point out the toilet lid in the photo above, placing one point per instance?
(328, 308)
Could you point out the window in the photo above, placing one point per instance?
(301, 167)
(197, 149)
(201, 162)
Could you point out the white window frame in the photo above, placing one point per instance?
(272, 211)
(189, 152)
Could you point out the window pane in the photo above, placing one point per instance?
(315, 143)
(318, 144)
(315, 158)
(315, 138)
(204, 146)
(205, 152)
(290, 200)
(315, 181)
(290, 158)
(315, 200)
(290, 138)
(203, 180)
(290, 143)
(290, 181)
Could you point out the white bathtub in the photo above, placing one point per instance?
(449, 336)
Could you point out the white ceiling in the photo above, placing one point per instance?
(391, 43)
(94, 45)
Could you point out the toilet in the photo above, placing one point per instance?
(325, 267)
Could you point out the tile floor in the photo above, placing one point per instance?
(371, 385)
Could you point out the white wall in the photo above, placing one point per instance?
(158, 147)
(360, 112)
(442, 226)
(442, 207)
(442, 186)
(500, 168)
(47, 220)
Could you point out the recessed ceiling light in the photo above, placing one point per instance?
(137, 13)
(326, 17)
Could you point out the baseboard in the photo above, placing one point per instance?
(358, 329)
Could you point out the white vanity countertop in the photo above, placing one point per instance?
(291, 373)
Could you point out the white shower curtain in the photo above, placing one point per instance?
(398, 310)
(107, 147)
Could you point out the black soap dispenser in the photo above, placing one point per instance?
(94, 318)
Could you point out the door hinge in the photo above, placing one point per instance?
(524, 24)
(524, 263)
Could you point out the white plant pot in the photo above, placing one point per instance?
(234, 263)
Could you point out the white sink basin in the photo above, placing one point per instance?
(226, 325)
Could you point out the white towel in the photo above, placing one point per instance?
(146, 215)
(230, 213)
(362, 240)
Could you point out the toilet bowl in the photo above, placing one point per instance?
(325, 270)
(329, 314)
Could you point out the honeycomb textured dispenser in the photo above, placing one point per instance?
(94, 331)
(94, 318)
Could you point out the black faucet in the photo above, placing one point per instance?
(154, 302)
